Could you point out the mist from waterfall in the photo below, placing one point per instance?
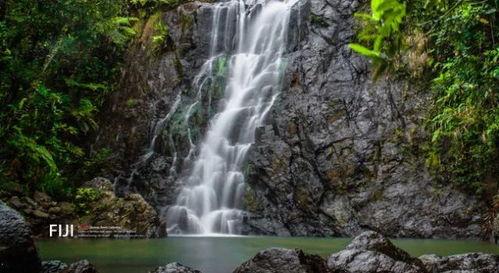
(211, 200)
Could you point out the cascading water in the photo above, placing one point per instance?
(211, 200)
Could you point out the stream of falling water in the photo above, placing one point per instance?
(211, 200)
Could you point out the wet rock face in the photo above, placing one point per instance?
(17, 249)
(341, 154)
(174, 268)
(471, 262)
(154, 78)
(370, 252)
(281, 260)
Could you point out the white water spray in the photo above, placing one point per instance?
(211, 200)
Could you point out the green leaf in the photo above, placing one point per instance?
(364, 51)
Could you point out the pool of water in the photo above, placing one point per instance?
(218, 255)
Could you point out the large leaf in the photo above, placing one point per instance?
(365, 51)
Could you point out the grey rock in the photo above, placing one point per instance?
(54, 266)
(17, 249)
(281, 260)
(370, 252)
(82, 266)
(465, 263)
(155, 79)
(340, 153)
(99, 183)
(174, 268)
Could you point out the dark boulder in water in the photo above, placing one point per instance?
(54, 266)
(17, 249)
(82, 266)
(174, 268)
(371, 252)
(281, 260)
(470, 262)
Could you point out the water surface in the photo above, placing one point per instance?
(218, 255)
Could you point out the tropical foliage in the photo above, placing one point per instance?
(462, 70)
(380, 33)
(58, 62)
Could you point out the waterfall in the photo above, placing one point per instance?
(253, 38)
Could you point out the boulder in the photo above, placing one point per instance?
(16, 202)
(281, 260)
(42, 199)
(54, 266)
(17, 249)
(174, 268)
(370, 252)
(66, 208)
(82, 266)
(464, 263)
(130, 212)
(99, 183)
(40, 214)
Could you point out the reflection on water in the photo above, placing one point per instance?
(218, 255)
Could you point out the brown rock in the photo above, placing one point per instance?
(42, 198)
(16, 202)
(30, 202)
(55, 210)
(27, 211)
(131, 212)
(40, 214)
(67, 208)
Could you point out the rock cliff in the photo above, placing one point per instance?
(339, 153)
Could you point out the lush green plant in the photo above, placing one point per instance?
(380, 33)
(160, 33)
(465, 118)
(84, 198)
(463, 68)
(59, 61)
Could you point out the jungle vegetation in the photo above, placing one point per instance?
(452, 47)
(59, 61)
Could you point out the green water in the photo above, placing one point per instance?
(218, 255)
